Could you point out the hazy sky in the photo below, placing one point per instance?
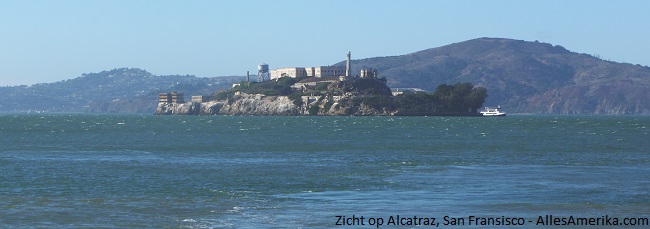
(52, 40)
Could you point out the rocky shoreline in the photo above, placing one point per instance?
(245, 104)
(325, 97)
(261, 105)
(241, 105)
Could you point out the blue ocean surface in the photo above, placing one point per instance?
(144, 171)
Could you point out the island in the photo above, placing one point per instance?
(367, 95)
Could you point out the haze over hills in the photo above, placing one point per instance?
(524, 77)
(521, 76)
(123, 90)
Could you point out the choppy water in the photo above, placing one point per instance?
(220, 171)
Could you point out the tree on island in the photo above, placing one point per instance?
(460, 97)
(457, 98)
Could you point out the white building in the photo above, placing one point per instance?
(321, 71)
(288, 72)
(329, 71)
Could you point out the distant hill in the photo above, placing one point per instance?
(523, 77)
(123, 90)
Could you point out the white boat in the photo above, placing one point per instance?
(493, 111)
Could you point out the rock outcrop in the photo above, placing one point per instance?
(178, 108)
(245, 104)
(238, 105)
(251, 105)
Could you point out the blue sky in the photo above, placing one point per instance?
(48, 41)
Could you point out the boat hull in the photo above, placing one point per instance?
(493, 111)
(494, 115)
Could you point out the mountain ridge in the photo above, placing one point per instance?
(523, 76)
(120, 90)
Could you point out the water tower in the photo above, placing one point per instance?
(263, 73)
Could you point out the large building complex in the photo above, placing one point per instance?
(322, 71)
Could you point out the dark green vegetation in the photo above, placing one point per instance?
(363, 87)
(118, 90)
(281, 87)
(322, 86)
(271, 88)
(458, 98)
(523, 77)
(331, 86)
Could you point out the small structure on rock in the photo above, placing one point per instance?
(171, 98)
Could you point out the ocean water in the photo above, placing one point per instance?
(144, 171)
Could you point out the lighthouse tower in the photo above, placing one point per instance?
(347, 66)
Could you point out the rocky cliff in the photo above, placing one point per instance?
(245, 104)
(238, 105)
